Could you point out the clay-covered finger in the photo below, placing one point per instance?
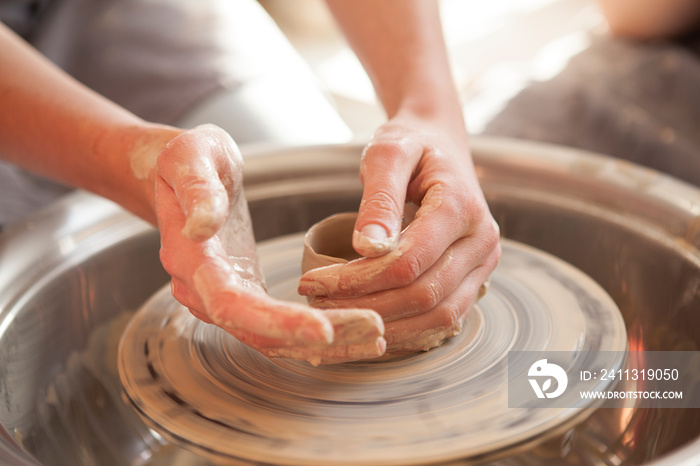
(196, 164)
(420, 296)
(419, 248)
(178, 255)
(358, 335)
(355, 326)
(185, 296)
(243, 309)
(428, 330)
(428, 290)
(424, 331)
(385, 171)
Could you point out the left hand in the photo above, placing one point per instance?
(208, 248)
(422, 281)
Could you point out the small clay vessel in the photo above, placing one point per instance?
(329, 242)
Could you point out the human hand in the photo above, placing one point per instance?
(424, 280)
(207, 246)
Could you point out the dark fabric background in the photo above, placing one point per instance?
(636, 101)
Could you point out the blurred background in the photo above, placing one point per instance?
(544, 70)
(496, 48)
(540, 70)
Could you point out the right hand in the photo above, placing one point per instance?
(425, 280)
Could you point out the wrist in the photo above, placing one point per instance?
(442, 113)
(429, 98)
(130, 153)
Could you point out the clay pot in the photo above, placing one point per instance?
(329, 242)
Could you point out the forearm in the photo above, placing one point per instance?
(400, 44)
(651, 19)
(52, 125)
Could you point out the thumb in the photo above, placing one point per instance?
(195, 165)
(385, 171)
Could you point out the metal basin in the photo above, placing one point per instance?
(71, 276)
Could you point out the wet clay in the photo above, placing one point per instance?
(329, 242)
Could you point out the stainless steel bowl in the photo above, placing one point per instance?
(71, 275)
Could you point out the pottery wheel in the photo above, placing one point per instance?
(204, 390)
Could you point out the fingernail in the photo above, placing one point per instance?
(322, 302)
(374, 233)
(373, 238)
(311, 288)
(381, 346)
(368, 351)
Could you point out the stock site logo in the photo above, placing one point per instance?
(546, 372)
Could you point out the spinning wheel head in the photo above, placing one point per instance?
(203, 389)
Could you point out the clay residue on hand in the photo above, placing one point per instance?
(201, 221)
(358, 335)
(431, 201)
(373, 247)
(425, 340)
(327, 281)
(238, 239)
(142, 159)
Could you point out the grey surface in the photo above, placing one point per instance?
(635, 101)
